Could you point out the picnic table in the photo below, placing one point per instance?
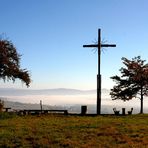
(7, 108)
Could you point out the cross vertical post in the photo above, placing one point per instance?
(99, 45)
(99, 75)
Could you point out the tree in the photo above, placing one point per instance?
(133, 81)
(10, 63)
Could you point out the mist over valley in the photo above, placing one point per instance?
(71, 99)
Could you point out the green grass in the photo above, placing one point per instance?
(57, 131)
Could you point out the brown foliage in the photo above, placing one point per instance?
(10, 63)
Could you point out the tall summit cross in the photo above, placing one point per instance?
(99, 45)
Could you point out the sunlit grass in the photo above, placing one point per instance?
(74, 131)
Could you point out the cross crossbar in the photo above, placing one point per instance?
(102, 45)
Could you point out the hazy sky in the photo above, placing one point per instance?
(50, 35)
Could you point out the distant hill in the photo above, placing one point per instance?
(58, 91)
(71, 109)
(106, 109)
(20, 106)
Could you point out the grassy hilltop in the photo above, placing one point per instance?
(57, 131)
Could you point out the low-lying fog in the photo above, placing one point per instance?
(72, 99)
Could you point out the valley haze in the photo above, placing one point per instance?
(71, 99)
(57, 91)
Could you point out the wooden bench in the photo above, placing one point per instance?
(43, 111)
(56, 111)
(130, 112)
(7, 108)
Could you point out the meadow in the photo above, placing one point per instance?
(59, 131)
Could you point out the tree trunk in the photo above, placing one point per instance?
(141, 110)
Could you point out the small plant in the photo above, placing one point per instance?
(1, 105)
(7, 115)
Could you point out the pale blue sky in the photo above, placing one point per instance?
(50, 35)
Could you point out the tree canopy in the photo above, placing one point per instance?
(10, 63)
(133, 81)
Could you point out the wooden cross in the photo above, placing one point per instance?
(99, 46)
